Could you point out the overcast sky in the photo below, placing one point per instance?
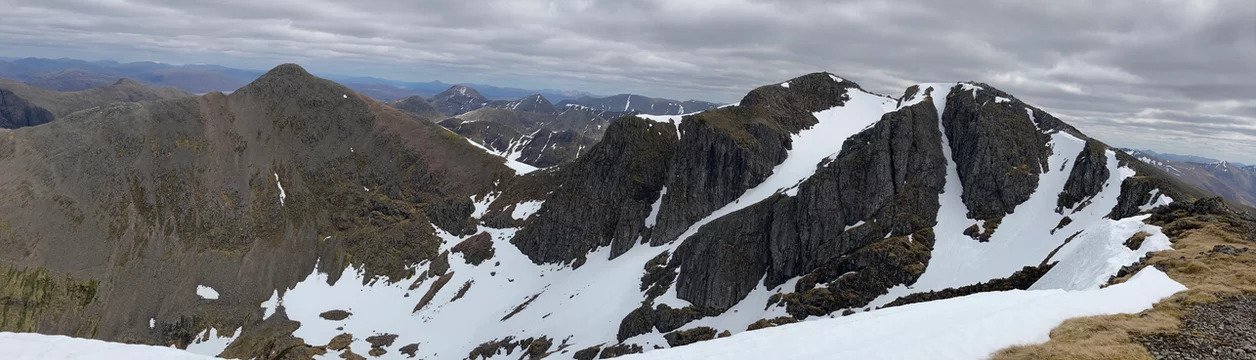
(1176, 76)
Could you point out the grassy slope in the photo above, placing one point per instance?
(1209, 274)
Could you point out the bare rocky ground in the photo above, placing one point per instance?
(1221, 330)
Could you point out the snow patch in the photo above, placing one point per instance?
(653, 218)
(29, 346)
(211, 343)
(206, 292)
(525, 209)
(969, 327)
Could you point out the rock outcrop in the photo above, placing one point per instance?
(608, 208)
(890, 174)
(997, 147)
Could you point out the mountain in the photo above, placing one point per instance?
(72, 75)
(640, 104)
(149, 222)
(25, 105)
(538, 139)
(530, 131)
(419, 107)
(458, 99)
(1236, 182)
(535, 103)
(295, 218)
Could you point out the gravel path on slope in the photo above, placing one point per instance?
(1221, 330)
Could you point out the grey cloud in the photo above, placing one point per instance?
(1100, 65)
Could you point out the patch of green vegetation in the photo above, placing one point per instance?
(28, 296)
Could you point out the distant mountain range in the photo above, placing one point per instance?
(71, 75)
(23, 105)
(1233, 181)
(531, 131)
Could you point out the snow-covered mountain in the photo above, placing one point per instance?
(617, 252)
(640, 104)
(353, 230)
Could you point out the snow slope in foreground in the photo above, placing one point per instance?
(39, 346)
(968, 327)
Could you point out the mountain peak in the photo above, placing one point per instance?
(287, 69)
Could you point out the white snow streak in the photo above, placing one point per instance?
(653, 218)
(282, 195)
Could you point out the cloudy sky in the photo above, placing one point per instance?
(1177, 76)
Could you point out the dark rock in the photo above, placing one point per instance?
(335, 315)
(271, 339)
(618, 350)
(453, 214)
(381, 340)
(686, 337)
(1219, 330)
(476, 249)
(588, 353)
(409, 350)
(728, 150)
(767, 323)
(638, 321)
(16, 112)
(999, 152)
(1020, 280)
(1090, 172)
(1136, 241)
(890, 174)
(340, 342)
(376, 351)
(607, 209)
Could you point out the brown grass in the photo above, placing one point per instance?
(1208, 275)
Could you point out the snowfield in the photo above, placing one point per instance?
(26, 346)
(969, 327)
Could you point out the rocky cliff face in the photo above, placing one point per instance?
(725, 151)
(881, 188)
(609, 208)
(998, 148)
(16, 112)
